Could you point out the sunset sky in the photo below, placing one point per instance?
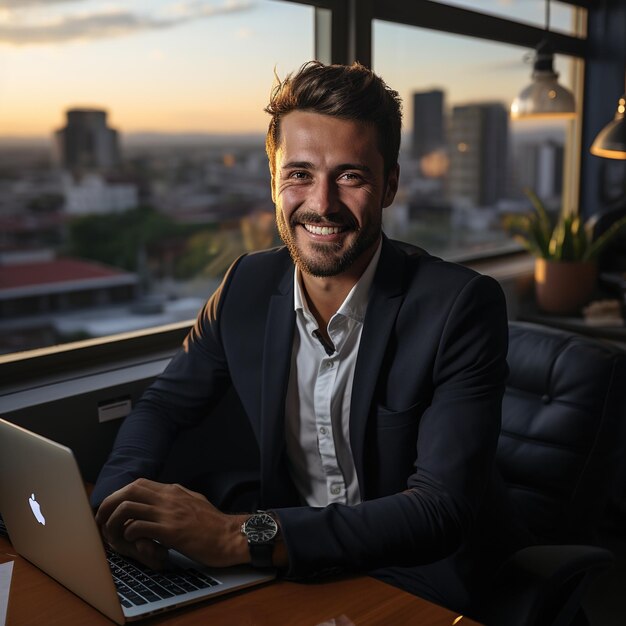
(207, 66)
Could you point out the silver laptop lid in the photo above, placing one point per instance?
(49, 519)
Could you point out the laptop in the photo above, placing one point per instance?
(50, 522)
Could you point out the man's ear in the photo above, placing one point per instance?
(392, 185)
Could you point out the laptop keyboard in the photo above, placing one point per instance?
(137, 585)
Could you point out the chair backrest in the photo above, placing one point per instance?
(563, 419)
(613, 256)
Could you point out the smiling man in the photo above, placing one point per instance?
(371, 373)
(329, 185)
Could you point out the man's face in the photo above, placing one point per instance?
(329, 189)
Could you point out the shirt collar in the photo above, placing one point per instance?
(355, 304)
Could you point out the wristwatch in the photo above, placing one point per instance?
(260, 529)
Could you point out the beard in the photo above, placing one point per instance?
(327, 259)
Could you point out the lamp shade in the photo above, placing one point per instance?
(611, 140)
(544, 97)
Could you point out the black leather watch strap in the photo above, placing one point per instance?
(261, 554)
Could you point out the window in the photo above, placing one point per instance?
(465, 164)
(132, 162)
(132, 168)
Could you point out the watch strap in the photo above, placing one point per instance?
(261, 554)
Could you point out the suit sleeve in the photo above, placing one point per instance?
(456, 448)
(192, 383)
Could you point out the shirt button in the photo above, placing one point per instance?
(323, 430)
(335, 490)
(329, 364)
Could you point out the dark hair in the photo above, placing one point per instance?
(351, 92)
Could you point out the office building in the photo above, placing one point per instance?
(428, 123)
(478, 154)
(539, 166)
(87, 143)
(92, 194)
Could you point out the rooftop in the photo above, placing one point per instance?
(58, 271)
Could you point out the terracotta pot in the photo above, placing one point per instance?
(564, 286)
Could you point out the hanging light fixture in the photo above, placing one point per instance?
(611, 140)
(544, 97)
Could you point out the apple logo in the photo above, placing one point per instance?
(36, 508)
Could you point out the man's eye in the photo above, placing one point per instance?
(350, 176)
(298, 175)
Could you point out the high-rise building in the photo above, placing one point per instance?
(428, 123)
(539, 165)
(478, 154)
(86, 143)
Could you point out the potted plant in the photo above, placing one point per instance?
(566, 254)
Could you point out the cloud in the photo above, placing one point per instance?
(114, 23)
(22, 4)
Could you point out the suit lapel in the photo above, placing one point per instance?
(386, 296)
(275, 481)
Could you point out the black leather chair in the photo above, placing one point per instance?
(559, 451)
(613, 256)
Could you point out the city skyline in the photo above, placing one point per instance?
(207, 67)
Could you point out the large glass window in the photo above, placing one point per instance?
(464, 163)
(132, 168)
(132, 164)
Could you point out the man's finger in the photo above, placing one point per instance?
(125, 513)
(141, 490)
(142, 529)
(151, 554)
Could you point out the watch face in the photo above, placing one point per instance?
(260, 528)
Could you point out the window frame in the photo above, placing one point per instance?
(20, 371)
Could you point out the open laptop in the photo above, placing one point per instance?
(50, 523)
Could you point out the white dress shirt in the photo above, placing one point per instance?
(317, 408)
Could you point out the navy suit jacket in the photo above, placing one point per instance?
(424, 418)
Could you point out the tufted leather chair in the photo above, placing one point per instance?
(563, 419)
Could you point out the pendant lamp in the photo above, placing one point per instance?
(611, 140)
(544, 97)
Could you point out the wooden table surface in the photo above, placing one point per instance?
(39, 600)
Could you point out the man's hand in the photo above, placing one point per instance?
(145, 518)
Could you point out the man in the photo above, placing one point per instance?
(372, 375)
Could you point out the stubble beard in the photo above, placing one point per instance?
(327, 259)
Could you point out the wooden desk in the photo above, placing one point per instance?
(37, 599)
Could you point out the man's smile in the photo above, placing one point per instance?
(316, 229)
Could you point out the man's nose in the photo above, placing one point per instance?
(323, 197)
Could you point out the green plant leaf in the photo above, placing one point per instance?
(541, 229)
(527, 230)
(567, 239)
(580, 238)
(600, 243)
